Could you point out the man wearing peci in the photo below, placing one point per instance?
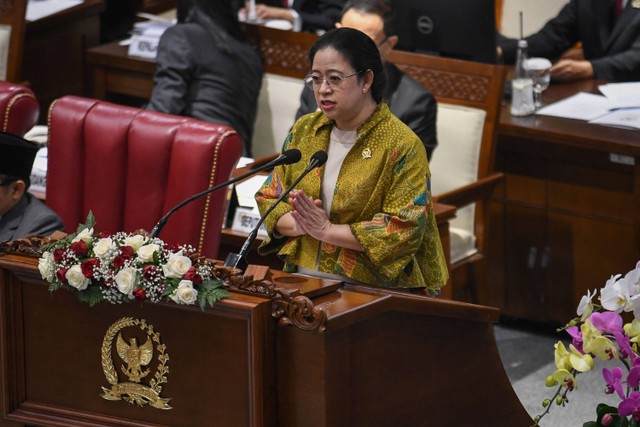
(610, 34)
(21, 214)
(407, 99)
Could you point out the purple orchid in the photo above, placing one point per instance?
(630, 406)
(624, 342)
(613, 378)
(633, 378)
(607, 322)
(576, 337)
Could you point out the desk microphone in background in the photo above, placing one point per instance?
(238, 260)
(287, 158)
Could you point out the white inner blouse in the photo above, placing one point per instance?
(340, 143)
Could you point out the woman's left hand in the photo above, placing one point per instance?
(309, 214)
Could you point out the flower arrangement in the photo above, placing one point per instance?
(609, 332)
(125, 267)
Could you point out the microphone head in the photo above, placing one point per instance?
(291, 156)
(319, 158)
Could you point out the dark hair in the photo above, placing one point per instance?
(382, 8)
(8, 179)
(359, 50)
(224, 13)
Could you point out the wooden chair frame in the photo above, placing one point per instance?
(475, 85)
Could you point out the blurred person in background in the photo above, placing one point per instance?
(314, 16)
(207, 70)
(609, 31)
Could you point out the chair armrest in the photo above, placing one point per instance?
(478, 190)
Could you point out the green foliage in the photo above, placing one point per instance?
(92, 295)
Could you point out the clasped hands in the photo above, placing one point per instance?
(308, 217)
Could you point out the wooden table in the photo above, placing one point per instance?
(54, 62)
(568, 214)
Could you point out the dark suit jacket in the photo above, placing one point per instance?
(29, 217)
(408, 100)
(315, 14)
(614, 51)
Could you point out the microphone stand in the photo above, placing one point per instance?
(160, 225)
(239, 260)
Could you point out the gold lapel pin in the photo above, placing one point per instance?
(366, 153)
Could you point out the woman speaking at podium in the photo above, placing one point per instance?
(366, 215)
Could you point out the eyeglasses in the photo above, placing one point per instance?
(334, 81)
(383, 41)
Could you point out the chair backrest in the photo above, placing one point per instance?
(130, 166)
(284, 55)
(12, 27)
(469, 96)
(19, 108)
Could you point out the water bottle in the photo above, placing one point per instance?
(522, 103)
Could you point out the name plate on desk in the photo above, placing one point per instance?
(246, 219)
(144, 46)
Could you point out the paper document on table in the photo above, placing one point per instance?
(37, 9)
(628, 118)
(581, 106)
(247, 189)
(622, 95)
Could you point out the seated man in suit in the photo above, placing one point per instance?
(408, 100)
(610, 34)
(21, 214)
(314, 16)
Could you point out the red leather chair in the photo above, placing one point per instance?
(130, 166)
(19, 108)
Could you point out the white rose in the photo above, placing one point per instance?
(185, 293)
(145, 253)
(104, 247)
(135, 241)
(76, 279)
(126, 280)
(85, 235)
(46, 266)
(177, 266)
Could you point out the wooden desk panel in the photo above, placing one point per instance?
(234, 364)
(567, 217)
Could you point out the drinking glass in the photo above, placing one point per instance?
(538, 70)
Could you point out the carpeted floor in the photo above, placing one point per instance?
(527, 355)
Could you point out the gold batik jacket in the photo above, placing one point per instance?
(382, 192)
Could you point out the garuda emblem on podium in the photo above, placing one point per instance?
(135, 350)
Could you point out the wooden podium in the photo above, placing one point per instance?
(312, 353)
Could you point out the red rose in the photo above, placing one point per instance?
(60, 274)
(80, 248)
(88, 265)
(118, 261)
(58, 255)
(126, 251)
(139, 294)
(148, 271)
(192, 275)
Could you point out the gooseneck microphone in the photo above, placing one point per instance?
(238, 260)
(287, 158)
